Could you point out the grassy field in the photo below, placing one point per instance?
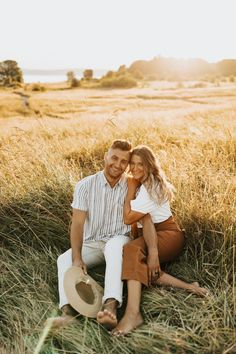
(49, 140)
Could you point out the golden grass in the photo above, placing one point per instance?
(42, 155)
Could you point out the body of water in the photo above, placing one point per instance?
(57, 78)
(44, 78)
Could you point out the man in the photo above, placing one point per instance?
(98, 232)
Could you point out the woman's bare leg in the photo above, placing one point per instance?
(168, 280)
(132, 317)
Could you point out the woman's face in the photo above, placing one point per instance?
(137, 168)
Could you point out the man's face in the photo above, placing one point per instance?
(116, 162)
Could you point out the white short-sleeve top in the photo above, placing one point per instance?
(144, 204)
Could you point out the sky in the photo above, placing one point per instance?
(57, 34)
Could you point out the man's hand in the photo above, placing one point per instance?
(79, 263)
(154, 268)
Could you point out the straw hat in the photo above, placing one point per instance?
(83, 292)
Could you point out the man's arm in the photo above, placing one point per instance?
(76, 237)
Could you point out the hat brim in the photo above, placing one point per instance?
(83, 292)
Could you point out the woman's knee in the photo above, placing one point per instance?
(131, 248)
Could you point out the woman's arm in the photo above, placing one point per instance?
(151, 240)
(131, 216)
(134, 230)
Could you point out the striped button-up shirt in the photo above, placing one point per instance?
(104, 206)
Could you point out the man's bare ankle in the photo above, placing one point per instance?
(111, 303)
(67, 310)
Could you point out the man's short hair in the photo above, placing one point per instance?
(123, 145)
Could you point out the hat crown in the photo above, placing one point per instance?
(86, 292)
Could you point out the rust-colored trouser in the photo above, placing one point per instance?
(170, 243)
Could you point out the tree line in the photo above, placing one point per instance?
(158, 68)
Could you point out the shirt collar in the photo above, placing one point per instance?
(120, 183)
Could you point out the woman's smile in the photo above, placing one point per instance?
(136, 168)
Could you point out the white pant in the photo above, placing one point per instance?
(95, 253)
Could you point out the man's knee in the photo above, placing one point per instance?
(64, 258)
(60, 260)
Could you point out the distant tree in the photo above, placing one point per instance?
(121, 70)
(75, 83)
(120, 81)
(109, 73)
(38, 87)
(10, 73)
(71, 79)
(88, 74)
(70, 76)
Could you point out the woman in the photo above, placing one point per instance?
(162, 239)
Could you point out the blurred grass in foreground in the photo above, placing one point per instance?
(38, 171)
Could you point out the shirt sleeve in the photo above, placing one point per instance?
(80, 198)
(143, 203)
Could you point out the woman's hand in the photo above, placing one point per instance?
(153, 264)
(133, 183)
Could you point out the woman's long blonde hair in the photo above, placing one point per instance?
(159, 189)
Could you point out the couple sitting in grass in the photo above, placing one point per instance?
(104, 206)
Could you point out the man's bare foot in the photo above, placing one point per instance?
(129, 322)
(60, 321)
(196, 289)
(107, 316)
(67, 317)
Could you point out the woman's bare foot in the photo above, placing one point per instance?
(196, 289)
(107, 316)
(169, 281)
(129, 322)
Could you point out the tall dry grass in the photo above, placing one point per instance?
(38, 170)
